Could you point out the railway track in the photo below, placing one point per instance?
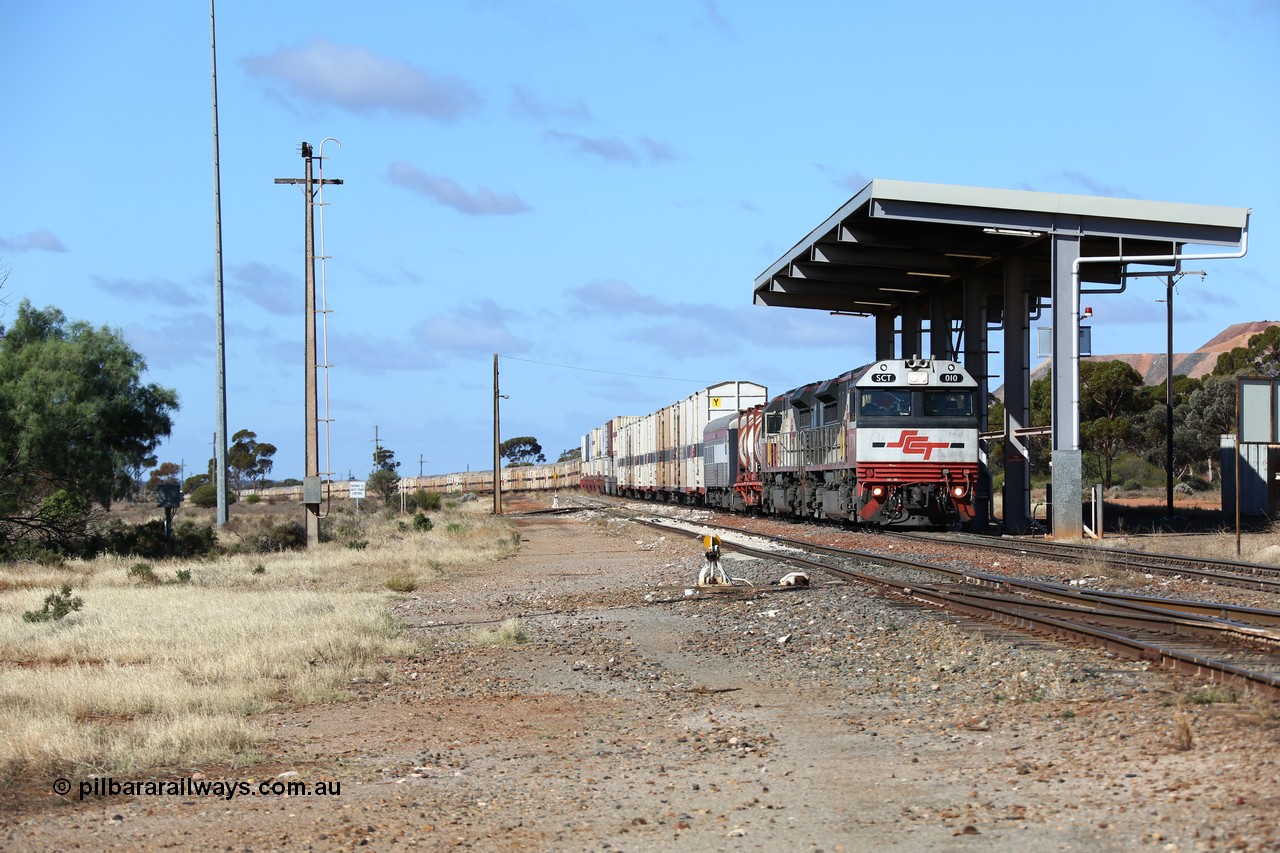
(1222, 572)
(1232, 645)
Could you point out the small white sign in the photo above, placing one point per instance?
(357, 488)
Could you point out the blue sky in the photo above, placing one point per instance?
(590, 185)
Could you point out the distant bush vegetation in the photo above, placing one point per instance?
(147, 540)
(426, 501)
(206, 496)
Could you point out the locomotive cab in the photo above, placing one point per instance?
(916, 426)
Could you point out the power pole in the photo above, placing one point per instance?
(497, 472)
(311, 485)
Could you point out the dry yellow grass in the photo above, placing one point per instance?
(509, 633)
(149, 675)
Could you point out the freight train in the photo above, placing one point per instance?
(522, 479)
(892, 443)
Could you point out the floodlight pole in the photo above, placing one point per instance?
(1168, 400)
(220, 422)
(311, 486)
(1170, 280)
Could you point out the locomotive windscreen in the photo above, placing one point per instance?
(949, 404)
(884, 402)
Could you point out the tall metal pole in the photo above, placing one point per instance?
(220, 433)
(497, 478)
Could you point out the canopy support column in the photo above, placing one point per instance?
(974, 336)
(911, 331)
(1017, 396)
(940, 345)
(1067, 477)
(884, 335)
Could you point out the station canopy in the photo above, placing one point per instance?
(896, 243)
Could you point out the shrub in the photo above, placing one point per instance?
(384, 483)
(402, 583)
(266, 535)
(358, 544)
(426, 501)
(1211, 694)
(57, 604)
(421, 523)
(509, 633)
(206, 496)
(1127, 468)
(192, 541)
(144, 573)
(275, 538)
(253, 499)
(147, 540)
(65, 511)
(1183, 732)
(28, 551)
(1194, 484)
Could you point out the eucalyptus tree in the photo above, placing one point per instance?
(76, 422)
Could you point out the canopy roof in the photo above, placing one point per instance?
(897, 242)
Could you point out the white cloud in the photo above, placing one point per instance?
(42, 240)
(359, 80)
(446, 191)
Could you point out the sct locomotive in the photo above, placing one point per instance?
(891, 443)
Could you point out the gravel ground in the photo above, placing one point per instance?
(637, 716)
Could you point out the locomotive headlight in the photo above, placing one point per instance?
(877, 491)
(959, 491)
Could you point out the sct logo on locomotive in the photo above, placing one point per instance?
(912, 443)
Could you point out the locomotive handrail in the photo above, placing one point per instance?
(1021, 432)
